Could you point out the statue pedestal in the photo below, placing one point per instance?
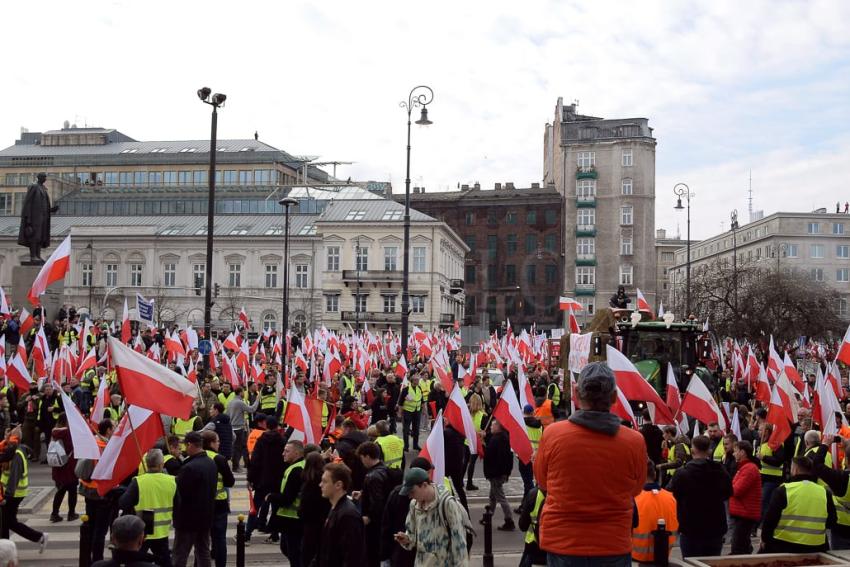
(22, 278)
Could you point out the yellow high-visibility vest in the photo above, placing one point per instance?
(22, 489)
(803, 519)
(156, 493)
(290, 511)
(220, 492)
(393, 449)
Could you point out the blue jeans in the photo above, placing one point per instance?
(218, 539)
(527, 474)
(555, 560)
(700, 546)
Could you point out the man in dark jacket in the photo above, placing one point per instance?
(194, 504)
(838, 482)
(653, 437)
(498, 464)
(346, 448)
(457, 456)
(376, 486)
(224, 480)
(394, 521)
(701, 487)
(285, 519)
(265, 471)
(128, 535)
(220, 423)
(343, 542)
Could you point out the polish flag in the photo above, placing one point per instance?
(826, 404)
(300, 361)
(621, 407)
(54, 270)
(526, 396)
(243, 316)
(776, 415)
(844, 352)
(660, 309)
(3, 357)
(674, 396)
(368, 393)
(634, 385)
(297, 416)
(100, 403)
(230, 342)
(126, 332)
(401, 368)
(642, 303)
(786, 394)
(26, 322)
(793, 375)
(173, 347)
(434, 451)
(699, 404)
(192, 373)
(509, 414)
(121, 456)
(21, 350)
(457, 412)
(833, 376)
(762, 386)
(85, 446)
(150, 385)
(18, 374)
(465, 376)
(774, 361)
(4, 304)
(90, 361)
(736, 424)
(569, 304)
(574, 327)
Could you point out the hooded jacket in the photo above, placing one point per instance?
(700, 488)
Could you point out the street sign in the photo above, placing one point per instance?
(205, 347)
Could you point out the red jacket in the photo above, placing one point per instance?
(746, 492)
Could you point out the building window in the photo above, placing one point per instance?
(198, 177)
(585, 275)
(199, 274)
(469, 218)
(531, 217)
(492, 218)
(627, 158)
(510, 306)
(585, 247)
(419, 258)
(301, 276)
(531, 274)
(667, 257)
(585, 188)
(817, 274)
(169, 177)
(169, 274)
(271, 275)
(262, 176)
(551, 273)
(626, 246)
(360, 300)
(491, 275)
(470, 274)
(626, 186)
(136, 275)
(587, 305)
(510, 274)
(111, 275)
(389, 303)
(792, 251)
(269, 322)
(842, 251)
(626, 215)
(491, 307)
(842, 275)
(361, 260)
(527, 306)
(332, 303)
(510, 217)
(626, 274)
(86, 271)
(417, 304)
(470, 241)
(550, 242)
(843, 307)
(333, 258)
(234, 275)
(492, 246)
(816, 251)
(586, 219)
(6, 204)
(155, 178)
(390, 258)
(813, 228)
(531, 243)
(551, 217)
(470, 306)
(511, 244)
(838, 228)
(585, 160)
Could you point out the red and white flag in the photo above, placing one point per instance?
(121, 456)
(401, 368)
(574, 326)
(776, 416)
(85, 446)
(774, 361)
(844, 352)
(434, 451)
(150, 385)
(642, 303)
(762, 386)
(297, 416)
(126, 332)
(457, 412)
(89, 362)
(634, 385)
(622, 408)
(26, 322)
(569, 304)
(786, 393)
(100, 402)
(52, 271)
(674, 396)
(18, 374)
(243, 316)
(4, 304)
(793, 375)
(699, 404)
(509, 414)
(526, 396)
(736, 424)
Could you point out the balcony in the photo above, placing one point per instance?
(586, 172)
(586, 230)
(372, 276)
(585, 202)
(586, 260)
(455, 286)
(447, 318)
(585, 289)
(371, 317)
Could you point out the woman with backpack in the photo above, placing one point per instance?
(60, 457)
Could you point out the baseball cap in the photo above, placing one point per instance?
(596, 381)
(412, 477)
(528, 408)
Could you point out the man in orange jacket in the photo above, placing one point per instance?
(653, 504)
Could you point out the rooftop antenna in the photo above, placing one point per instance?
(750, 206)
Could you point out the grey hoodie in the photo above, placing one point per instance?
(601, 421)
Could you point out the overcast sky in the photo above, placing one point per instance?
(727, 86)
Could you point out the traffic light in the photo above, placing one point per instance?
(217, 289)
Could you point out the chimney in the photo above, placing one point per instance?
(477, 186)
(509, 185)
(660, 234)
(464, 187)
(498, 186)
(416, 190)
(535, 186)
(422, 189)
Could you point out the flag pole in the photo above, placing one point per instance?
(136, 439)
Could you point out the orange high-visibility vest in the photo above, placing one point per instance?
(93, 483)
(544, 413)
(252, 439)
(653, 505)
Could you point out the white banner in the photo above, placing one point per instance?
(579, 351)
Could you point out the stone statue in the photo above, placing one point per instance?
(34, 232)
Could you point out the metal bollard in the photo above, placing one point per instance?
(487, 560)
(661, 543)
(85, 541)
(240, 541)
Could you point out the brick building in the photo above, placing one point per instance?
(514, 267)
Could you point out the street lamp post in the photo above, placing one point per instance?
(286, 203)
(215, 100)
(420, 96)
(90, 248)
(357, 297)
(682, 190)
(734, 225)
